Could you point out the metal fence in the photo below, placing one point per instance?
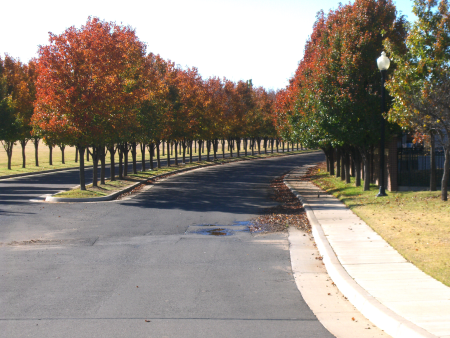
(414, 167)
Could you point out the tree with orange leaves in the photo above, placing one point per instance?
(89, 84)
(20, 90)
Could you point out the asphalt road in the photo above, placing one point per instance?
(147, 267)
(22, 189)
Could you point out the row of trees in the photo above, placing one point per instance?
(17, 95)
(96, 88)
(333, 100)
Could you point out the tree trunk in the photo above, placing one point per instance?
(357, 162)
(230, 145)
(95, 166)
(353, 164)
(190, 151)
(125, 159)
(176, 153)
(238, 146)
(342, 165)
(200, 150)
(223, 148)
(158, 158)
(338, 162)
(76, 154)
(81, 149)
(87, 154)
(50, 155)
(133, 157)
(102, 154)
(433, 163)
(278, 143)
(215, 145)
(151, 150)
(183, 144)
(331, 160)
(371, 165)
(62, 147)
(142, 146)
(208, 150)
(23, 143)
(8, 148)
(265, 145)
(112, 153)
(327, 159)
(259, 145)
(365, 162)
(168, 154)
(365, 157)
(347, 167)
(283, 146)
(163, 147)
(120, 150)
(36, 154)
(444, 184)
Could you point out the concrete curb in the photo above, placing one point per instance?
(114, 195)
(372, 309)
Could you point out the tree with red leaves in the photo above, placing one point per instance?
(89, 84)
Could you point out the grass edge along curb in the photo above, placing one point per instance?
(415, 223)
(379, 314)
(116, 194)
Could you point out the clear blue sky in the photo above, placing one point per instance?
(261, 40)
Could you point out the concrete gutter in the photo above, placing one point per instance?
(386, 319)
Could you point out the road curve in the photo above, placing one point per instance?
(145, 266)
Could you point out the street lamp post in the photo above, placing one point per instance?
(383, 63)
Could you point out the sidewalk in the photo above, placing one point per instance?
(391, 292)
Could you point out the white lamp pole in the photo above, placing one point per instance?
(383, 63)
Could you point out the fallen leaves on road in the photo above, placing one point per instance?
(290, 212)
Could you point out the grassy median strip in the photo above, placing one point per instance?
(112, 186)
(415, 223)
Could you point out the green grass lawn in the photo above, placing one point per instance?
(415, 223)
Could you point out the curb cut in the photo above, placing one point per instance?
(383, 317)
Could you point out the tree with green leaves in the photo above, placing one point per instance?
(420, 85)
